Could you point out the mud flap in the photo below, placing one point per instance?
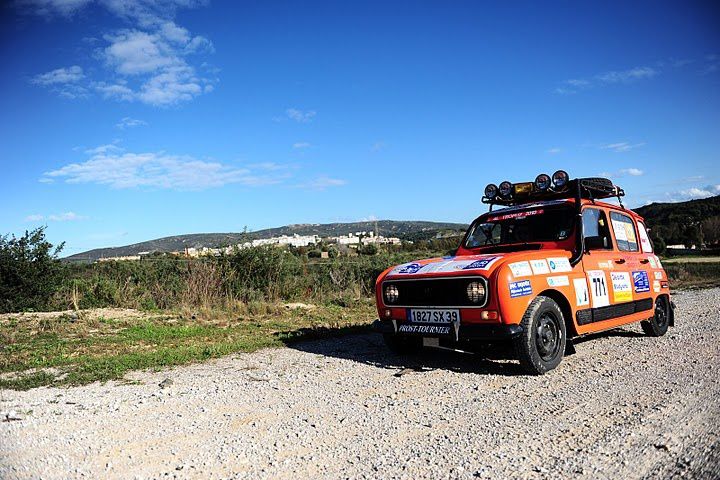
(569, 346)
(672, 314)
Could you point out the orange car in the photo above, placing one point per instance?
(554, 264)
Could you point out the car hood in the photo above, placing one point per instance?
(445, 265)
(466, 264)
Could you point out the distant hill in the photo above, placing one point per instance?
(406, 230)
(691, 223)
(692, 211)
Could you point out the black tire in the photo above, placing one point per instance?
(658, 325)
(402, 345)
(541, 345)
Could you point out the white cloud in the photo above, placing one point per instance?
(554, 151)
(63, 81)
(632, 171)
(117, 169)
(59, 76)
(635, 172)
(148, 63)
(621, 146)
(301, 145)
(377, 146)
(133, 52)
(692, 193)
(323, 182)
(103, 149)
(701, 192)
(299, 115)
(128, 122)
(575, 85)
(53, 7)
(626, 76)
(60, 217)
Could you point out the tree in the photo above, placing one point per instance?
(368, 249)
(711, 230)
(692, 236)
(30, 272)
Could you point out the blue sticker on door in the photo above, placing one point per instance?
(520, 289)
(641, 281)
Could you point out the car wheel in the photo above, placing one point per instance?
(402, 345)
(659, 323)
(541, 345)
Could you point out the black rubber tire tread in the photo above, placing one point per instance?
(525, 347)
(651, 327)
(403, 345)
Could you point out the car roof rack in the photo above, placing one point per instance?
(591, 188)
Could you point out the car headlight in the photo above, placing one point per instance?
(476, 292)
(505, 189)
(391, 294)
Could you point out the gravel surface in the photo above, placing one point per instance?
(625, 406)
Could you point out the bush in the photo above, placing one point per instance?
(30, 272)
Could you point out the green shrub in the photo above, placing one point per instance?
(30, 272)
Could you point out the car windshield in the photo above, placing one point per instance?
(534, 224)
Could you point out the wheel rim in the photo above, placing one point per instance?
(548, 336)
(661, 316)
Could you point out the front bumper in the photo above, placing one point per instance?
(465, 331)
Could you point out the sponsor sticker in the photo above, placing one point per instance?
(410, 268)
(539, 267)
(598, 288)
(482, 264)
(641, 281)
(605, 265)
(559, 265)
(581, 292)
(651, 259)
(656, 286)
(425, 329)
(657, 260)
(559, 281)
(622, 291)
(520, 289)
(520, 269)
(509, 216)
(620, 232)
(644, 240)
(658, 275)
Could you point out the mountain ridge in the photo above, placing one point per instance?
(404, 229)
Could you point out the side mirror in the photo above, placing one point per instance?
(596, 243)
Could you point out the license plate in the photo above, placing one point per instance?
(434, 315)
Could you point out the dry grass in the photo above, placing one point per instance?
(102, 344)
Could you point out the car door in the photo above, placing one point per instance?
(594, 292)
(635, 249)
(627, 258)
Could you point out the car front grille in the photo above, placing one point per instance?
(435, 292)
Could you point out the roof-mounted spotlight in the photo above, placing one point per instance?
(505, 189)
(542, 182)
(560, 179)
(491, 191)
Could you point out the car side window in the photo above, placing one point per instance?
(644, 239)
(596, 230)
(624, 232)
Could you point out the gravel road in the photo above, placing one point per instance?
(625, 406)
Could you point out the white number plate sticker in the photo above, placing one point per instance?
(433, 316)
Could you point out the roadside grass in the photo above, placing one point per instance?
(692, 274)
(61, 350)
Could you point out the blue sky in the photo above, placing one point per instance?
(123, 121)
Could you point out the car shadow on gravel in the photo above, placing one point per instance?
(370, 349)
(620, 333)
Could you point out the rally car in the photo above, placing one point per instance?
(553, 264)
